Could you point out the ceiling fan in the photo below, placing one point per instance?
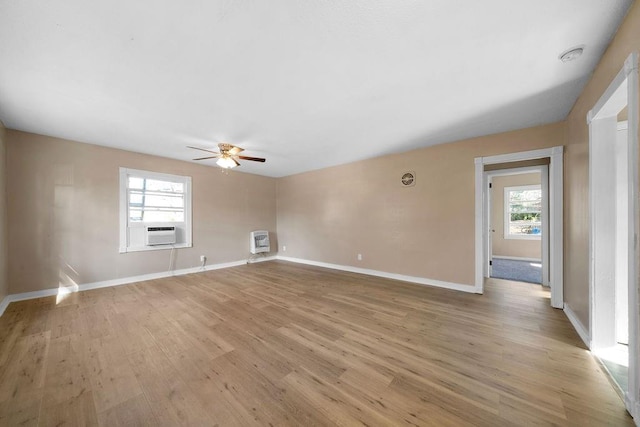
(228, 155)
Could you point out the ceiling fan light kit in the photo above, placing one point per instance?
(228, 156)
(227, 162)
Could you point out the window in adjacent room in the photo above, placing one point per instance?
(523, 212)
(156, 200)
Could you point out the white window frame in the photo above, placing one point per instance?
(126, 225)
(507, 213)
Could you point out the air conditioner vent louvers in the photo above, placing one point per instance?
(160, 236)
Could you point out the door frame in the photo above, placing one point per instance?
(555, 155)
(543, 170)
(602, 119)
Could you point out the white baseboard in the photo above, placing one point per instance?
(133, 279)
(404, 278)
(4, 304)
(516, 258)
(121, 281)
(577, 325)
(632, 408)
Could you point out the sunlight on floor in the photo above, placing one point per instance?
(542, 291)
(63, 292)
(615, 360)
(618, 354)
(66, 286)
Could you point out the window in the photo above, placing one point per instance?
(153, 199)
(522, 212)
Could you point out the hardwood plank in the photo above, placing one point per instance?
(111, 376)
(77, 411)
(132, 412)
(24, 373)
(21, 412)
(336, 405)
(67, 376)
(169, 397)
(285, 344)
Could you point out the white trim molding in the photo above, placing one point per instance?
(634, 410)
(555, 155)
(516, 258)
(488, 177)
(386, 275)
(4, 304)
(582, 331)
(603, 126)
(120, 281)
(151, 276)
(130, 244)
(481, 229)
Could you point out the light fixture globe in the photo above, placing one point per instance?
(226, 162)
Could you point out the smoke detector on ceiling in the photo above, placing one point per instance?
(571, 54)
(408, 179)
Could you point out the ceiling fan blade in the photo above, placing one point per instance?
(237, 163)
(255, 159)
(202, 149)
(205, 158)
(235, 150)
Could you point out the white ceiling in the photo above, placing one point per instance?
(306, 84)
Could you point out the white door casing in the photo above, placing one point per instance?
(602, 120)
(544, 185)
(555, 227)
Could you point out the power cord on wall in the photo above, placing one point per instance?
(172, 261)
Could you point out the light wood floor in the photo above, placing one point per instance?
(277, 344)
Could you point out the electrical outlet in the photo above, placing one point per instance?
(284, 249)
(359, 257)
(203, 258)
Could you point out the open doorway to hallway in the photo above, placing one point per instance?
(516, 214)
(615, 357)
(613, 216)
(552, 232)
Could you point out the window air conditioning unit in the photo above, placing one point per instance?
(260, 242)
(160, 236)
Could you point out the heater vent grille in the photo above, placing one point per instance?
(260, 242)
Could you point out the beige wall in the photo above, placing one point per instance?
(576, 250)
(64, 220)
(521, 248)
(4, 284)
(331, 215)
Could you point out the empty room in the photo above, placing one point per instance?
(234, 213)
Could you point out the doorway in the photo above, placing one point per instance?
(613, 217)
(554, 156)
(518, 216)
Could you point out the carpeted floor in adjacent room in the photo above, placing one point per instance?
(517, 270)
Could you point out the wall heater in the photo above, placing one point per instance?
(260, 242)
